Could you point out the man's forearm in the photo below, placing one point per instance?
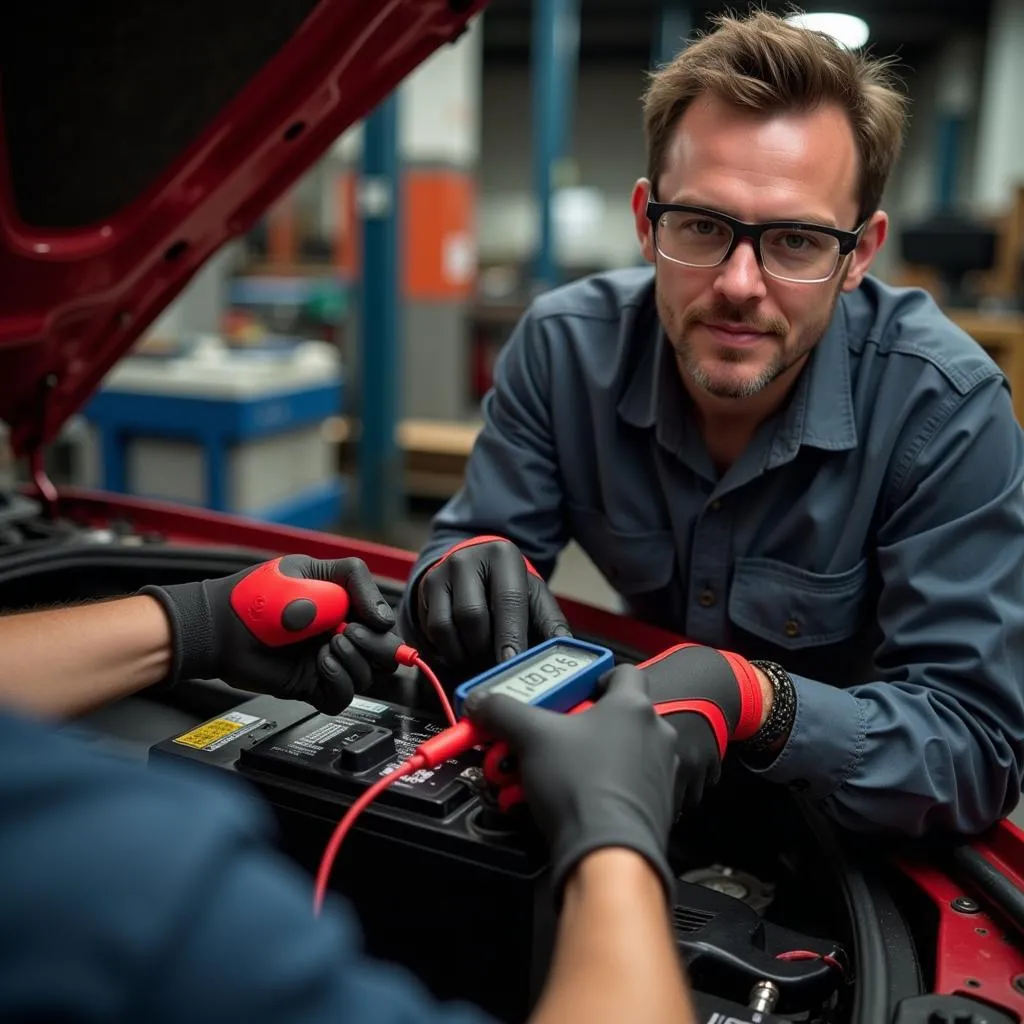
(905, 757)
(65, 661)
(615, 959)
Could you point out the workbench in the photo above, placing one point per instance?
(242, 433)
(1002, 337)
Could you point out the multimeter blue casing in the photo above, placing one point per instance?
(576, 684)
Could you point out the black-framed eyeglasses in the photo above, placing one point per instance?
(787, 250)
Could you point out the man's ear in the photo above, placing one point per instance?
(871, 241)
(644, 229)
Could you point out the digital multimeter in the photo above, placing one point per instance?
(557, 674)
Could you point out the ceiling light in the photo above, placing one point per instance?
(845, 29)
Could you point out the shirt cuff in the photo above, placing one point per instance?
(825, 744)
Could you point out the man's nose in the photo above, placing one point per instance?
(740, 278)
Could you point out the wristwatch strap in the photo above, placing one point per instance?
(783, 712)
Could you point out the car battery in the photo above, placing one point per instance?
(429, 863)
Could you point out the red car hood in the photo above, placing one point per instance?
(136, 139)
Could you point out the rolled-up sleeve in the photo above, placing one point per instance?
(512, 485)
(937, 739)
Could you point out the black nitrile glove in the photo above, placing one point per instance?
(709, 697)
(279, 648)
(700, 763)
(601, 778)
(483, 603)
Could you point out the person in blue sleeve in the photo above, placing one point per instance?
(130, 894)
(767, 451)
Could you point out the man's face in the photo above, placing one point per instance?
(735, 328)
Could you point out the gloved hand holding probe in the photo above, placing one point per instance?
(266, 629)
(603, 778)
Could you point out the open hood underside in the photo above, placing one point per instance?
(136, 139)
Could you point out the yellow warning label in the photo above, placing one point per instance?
(215, 733)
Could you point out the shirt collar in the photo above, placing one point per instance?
(638, 404)
(820, 414)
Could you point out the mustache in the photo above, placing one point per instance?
(729, 314)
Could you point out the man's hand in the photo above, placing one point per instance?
(709, 697)
(483, 603)
(599, 779)
(210, 640)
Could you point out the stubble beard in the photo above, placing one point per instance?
(786, 355)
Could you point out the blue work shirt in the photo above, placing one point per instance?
(140, 896)
(870, 539)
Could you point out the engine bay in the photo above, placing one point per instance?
(775, 913)
(473, 865)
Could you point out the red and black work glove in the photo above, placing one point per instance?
(266, 628)
(594, 780)
(482, 603)
(709, 697)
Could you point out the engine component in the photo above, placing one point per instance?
(729, 948)
(763, 997)
(941, 1009)
(739, 884)
(715, 1010)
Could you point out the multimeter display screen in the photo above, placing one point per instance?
(534, 677)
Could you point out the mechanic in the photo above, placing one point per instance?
(768, 451)
(144, 895)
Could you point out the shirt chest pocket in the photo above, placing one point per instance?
(795, 609)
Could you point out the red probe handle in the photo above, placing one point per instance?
(499, 768)
(280, 607)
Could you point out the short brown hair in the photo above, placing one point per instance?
(764, 64)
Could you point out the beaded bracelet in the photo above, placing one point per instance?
(780, 718)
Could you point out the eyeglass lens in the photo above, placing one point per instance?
(702, 241)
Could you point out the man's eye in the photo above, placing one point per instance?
(797, 242)
(701, 227)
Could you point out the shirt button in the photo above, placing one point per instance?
(707, 597)
(792, 628)
(716, 504)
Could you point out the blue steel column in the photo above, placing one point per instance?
(956, 100)
(379, 460)
(554, 60)
(673, 31)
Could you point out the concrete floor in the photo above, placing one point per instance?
(577, 577)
